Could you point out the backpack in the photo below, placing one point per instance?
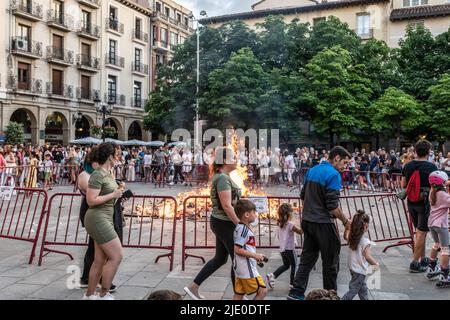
(413, 188)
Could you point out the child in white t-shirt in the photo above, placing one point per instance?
(287, 241)
(48, 170)
(247, 280)
(359, 257)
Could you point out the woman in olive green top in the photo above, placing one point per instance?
(224, 194)
(101, 195)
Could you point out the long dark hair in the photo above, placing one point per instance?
(433, 193)
(357, 229)
(284, 213)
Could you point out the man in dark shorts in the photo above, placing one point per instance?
(419, 211)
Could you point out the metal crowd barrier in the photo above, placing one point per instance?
(389, 222)
(150, 223)
(21, 213)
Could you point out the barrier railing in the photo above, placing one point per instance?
(30, 176)
(396, 182)
(21, 214)
(150, 223)
(389, 221)
(365, 181)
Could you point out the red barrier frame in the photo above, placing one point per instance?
(24, 193)
(45, 242)
(405, 237)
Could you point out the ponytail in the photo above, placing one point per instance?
(357, 229)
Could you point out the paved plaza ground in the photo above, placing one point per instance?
(139, 275)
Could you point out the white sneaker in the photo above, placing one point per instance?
(91, 297)
(107, 296)
(270, 280)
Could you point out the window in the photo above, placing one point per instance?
(23, 76)
(137, 94)
(112, 13)
(85, 87)
(168, 12)
(414, 3)
(158, 7)
(182, 40)
(158, 59)
(57, 85)
(58, 11)
(173, 39)
(112, 51)
(112, 89)
(137, 59)
(178, 17)
(24, 35)
(186, 21)
(86, 54)
(86, 21)
(318, 20)
(138, 26)
(155, 35)
(164, 37)
(363, 23)
(58, 47)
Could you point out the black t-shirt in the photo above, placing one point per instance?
(58, 156)
(424, 167)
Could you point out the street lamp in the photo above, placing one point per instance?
(77, 118)
(104, 109)
(197, 120)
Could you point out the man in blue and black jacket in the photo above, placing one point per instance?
(320, 196)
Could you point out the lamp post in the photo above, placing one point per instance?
(104, 109)
(197, 116)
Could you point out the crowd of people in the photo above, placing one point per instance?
(40, 166)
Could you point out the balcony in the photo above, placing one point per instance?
(26, 48)
(89, 31)
(140, 36)
(32, 86)
(139, 68)
(87, 95)
(115, 62)
(159, 16)
(114, 26)
(30, 10)
(138, 103)
(366, 35)
(94, 4)
(60, 91)
(88, 63)
(161, 46)
(60, 56)
(59, 21)
(119, 100)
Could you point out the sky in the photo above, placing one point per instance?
(217, 7)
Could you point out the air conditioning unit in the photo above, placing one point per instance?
(21, 44)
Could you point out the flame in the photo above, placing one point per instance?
(239, 176)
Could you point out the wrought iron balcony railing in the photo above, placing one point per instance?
(115, 60)
(23, 45)
(137, 66)
(87, 94)
(118, 99)
(60, 54)
(115, 25)
(58, 89)
(85, 60)
(58, 19)
(139, 35)
(30, 85)
(29, 8)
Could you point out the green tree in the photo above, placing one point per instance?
(271, 49)
(297, 47)
(236, 92)
(396, 113)
(14, 133)
(438, 108)
(338, 93)
(416, 59)
(333, 32)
